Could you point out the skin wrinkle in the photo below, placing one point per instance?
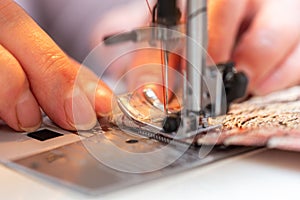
(50, 72)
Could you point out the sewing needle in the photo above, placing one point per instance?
(166, 76)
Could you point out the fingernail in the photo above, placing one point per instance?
(101, 96)
(28, 112)
(79, 111)
(103, 102)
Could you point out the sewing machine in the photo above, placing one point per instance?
(134, 148)
(203, 91)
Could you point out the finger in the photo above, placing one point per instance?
(51, 73)
(286, 75)
(224, 20)
(99, 94)
(271, 37)
(103, 100)
(18, 107)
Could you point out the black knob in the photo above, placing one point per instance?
(171, 123)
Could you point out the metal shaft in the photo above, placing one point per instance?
(196, 56)
(166, 78)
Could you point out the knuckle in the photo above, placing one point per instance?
(56, 64)
(52, 59)
(56, 73)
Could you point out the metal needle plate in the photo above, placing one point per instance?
(73, 166)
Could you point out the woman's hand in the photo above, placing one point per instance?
(35, 73)
(262, 37)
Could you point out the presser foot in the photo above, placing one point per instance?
(143, 114)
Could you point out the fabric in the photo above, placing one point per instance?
(272, 120)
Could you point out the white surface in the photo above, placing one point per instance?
(266, 175)
(14, 145)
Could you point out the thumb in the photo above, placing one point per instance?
(50, 72)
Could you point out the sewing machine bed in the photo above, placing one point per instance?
(66, 159)
(69, 159)
(74, 167)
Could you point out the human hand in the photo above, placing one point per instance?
(35, 73)
(262, 37)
